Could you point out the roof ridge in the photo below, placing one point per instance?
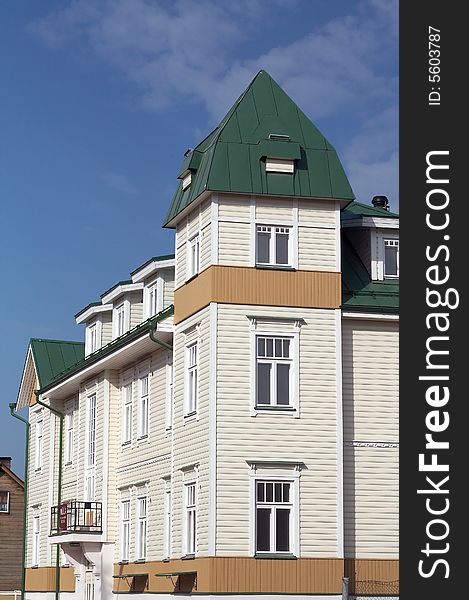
(54, 341)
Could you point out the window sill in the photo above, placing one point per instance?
(38, 470)
(188, 557)
(273, 408)
(68, 464)
(123, 562)
(275, 267)
(166, 560)
(140, 561)
(189, 279)
(126, 444)
(276, 555)
(34, 566)
(191, 416)
(142, 438)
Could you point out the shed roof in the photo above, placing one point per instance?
(52, 357)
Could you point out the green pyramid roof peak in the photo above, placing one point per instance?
(263, 122)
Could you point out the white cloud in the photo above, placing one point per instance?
(184, 53)
(119, 183)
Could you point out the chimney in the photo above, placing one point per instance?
(6, 460)
(380, 202)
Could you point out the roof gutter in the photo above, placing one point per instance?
(152, 331)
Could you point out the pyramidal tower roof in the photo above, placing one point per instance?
(263, 122)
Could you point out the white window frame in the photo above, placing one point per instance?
(69, 436)
(167, 521)
(39, 441)
(124, 306)
(127, 390)
(393, 242)
(125, 530)
(378, 256)
(90, 441)
(142, 528)
(192, 379)
(36, 541)
(153, 297)
(169, 394)
(193, 259)
(93, 344)
(272, 230)
(143, 406)
(271, 474)
(294, 336)
(189, 537)
(7, 504)
(279, 165)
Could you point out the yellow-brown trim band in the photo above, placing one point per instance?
(42, 579)
(249, 285)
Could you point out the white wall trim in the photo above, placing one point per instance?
(212, 516)
(370, 316)
(214, 229)
(338, 230)
(121, 289)
(340, 436)
(252, 241)
(105, 464)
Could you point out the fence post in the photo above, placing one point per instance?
(345, 588)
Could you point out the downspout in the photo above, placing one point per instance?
(152, 331)
(12, 406)
(59, 485)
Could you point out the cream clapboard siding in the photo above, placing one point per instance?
(69, 473)
(136, 308)
(316, 229)
(198, 222)
(168, 287)
(38, 487)
(190, 435)
(370, 398)
(361, 241)
(112, 515)
(141, 466)
(310, 438)
(106, 331)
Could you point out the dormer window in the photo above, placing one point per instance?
(93, 337)
(186, 180)
(121, 319)
(153, 298)
(279, 165)
(273, 245)
(391, 258)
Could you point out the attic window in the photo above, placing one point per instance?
(279, 137)
(279, 165)
(186, 180)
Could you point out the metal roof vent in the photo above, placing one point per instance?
(188, 151)
(380, 202)
(280, 137)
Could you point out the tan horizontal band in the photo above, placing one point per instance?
(42, 579)
(249, 285)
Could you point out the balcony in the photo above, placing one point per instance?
(76, 517)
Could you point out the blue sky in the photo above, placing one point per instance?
(99, 101)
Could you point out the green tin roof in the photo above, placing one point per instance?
(359, 292)
(81, 362)
(232, 157)
(52, 357)
(357, 209)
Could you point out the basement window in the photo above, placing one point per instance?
(279, 165)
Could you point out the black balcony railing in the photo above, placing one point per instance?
(74, 516)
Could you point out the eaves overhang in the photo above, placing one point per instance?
(91, 311)
(150, 267)
(119, 290)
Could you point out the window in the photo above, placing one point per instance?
(274, 371)
(91, 454)
(69, 418)
(152, 300)
(4, 501)
(35, 542)
(167, 523)
(143, 408)
(93, 344)
(279, 165)
(186, 180)
(190, 518)
(127, 413)
(194, 257)
(169, 396)
(125, 529)
(273, 245)
(121, 319)
(274, 516)
(192, 375)
(141, 528)
(38, 445)
(391, 258)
